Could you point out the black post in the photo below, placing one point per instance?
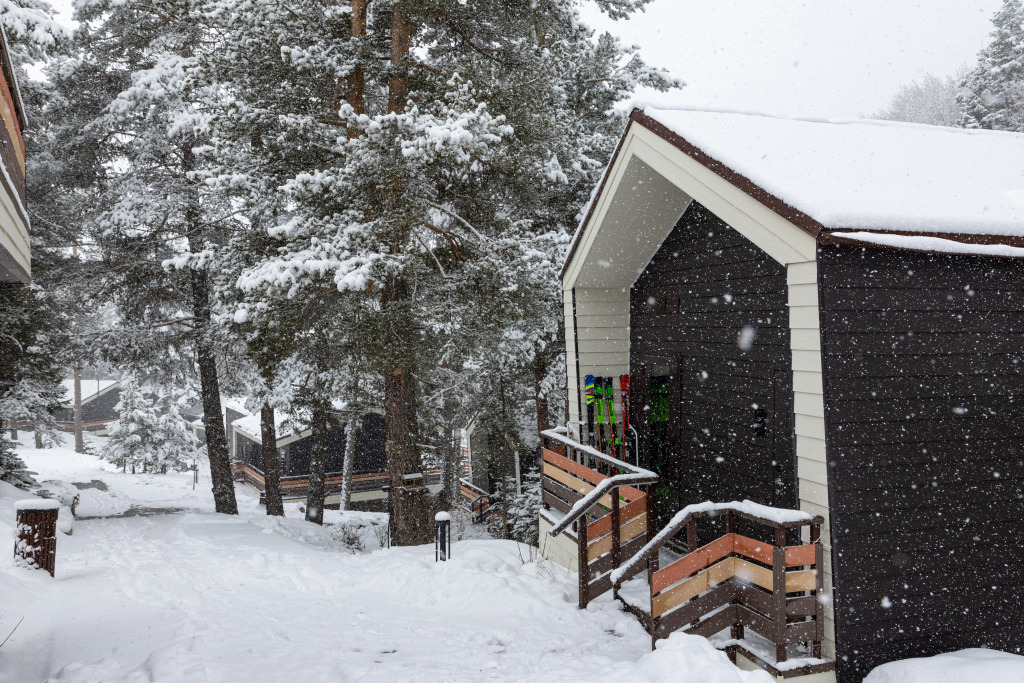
(442, 536)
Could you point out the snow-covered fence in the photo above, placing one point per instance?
(737, 582)
(36, 544)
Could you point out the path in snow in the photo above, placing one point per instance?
(197, 596)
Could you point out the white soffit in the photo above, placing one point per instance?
(649, 188)
(634, 214)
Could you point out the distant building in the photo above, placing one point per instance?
(15, 260)
(99, 403)
(369, 475)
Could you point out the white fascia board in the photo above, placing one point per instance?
(778, 237)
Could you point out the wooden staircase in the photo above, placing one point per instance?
(753, 590)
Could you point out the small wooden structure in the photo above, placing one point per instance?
(604, 517)
(36, 542)
(824, 316)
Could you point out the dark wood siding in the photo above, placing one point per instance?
(710, 312)
(923, 357)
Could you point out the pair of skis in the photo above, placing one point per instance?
(602, 428)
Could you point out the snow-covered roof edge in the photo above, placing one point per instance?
(1001, 245)
(790, 213)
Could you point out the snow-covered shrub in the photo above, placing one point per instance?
(524, 510)
(12, 467)
(348, 535)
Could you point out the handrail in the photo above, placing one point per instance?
(774, 517)
(557, 435)
(632, 475)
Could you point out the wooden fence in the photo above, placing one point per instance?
(607, 513)
(737, 582)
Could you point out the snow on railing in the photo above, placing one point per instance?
(746, 508)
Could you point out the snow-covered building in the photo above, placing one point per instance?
(99, 405)
(832, 314)
(15, 259)
(369, 474)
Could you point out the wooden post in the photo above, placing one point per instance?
(583, 562)
(819, 572)
(36, 544)
(616, 537)
(779, 593)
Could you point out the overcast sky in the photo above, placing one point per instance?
(838, 58)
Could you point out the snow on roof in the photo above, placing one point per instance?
(864, 174)
(251, 424)
(90, 388)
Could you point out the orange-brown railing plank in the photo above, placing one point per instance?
(629, 531)
(806, 580)
(577, 485)
(754, 549)
(698, 559)
(592, 476)
(800, 555)
(756, 574)
(626, 513)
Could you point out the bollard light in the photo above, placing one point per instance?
(442, 536)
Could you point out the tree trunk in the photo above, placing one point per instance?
(543, 417)
(398, 84)
(317, 465)
(411, 509)
(350, 461)
(14, 431)
(356, 81)
(79, 437)
(271, 462)
(209, 384)
(39, 438)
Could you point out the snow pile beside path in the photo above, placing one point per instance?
(975, 665)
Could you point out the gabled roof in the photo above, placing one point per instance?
(831, 176)
(91, 389)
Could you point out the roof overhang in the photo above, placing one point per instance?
(651, 179)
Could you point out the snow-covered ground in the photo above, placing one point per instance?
(156, 587)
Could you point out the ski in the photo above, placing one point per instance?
(624, 393)
(589, 389)
(613, 439)
(599, 405)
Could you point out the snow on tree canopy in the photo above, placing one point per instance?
(877, 175)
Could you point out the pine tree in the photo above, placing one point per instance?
(160, 226)
(434, 211)
(136, 437)
(177, 443)
(12, 467)
(524, 510)
(994, 89)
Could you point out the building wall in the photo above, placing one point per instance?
(730, 430)
(602, 335)
(924, 395)
(15, 262)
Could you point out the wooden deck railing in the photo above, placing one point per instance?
(607, 513)
(475, 500)
(737, 582)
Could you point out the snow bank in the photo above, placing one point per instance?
(200, 596)
(975, 665)
(869, 175)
